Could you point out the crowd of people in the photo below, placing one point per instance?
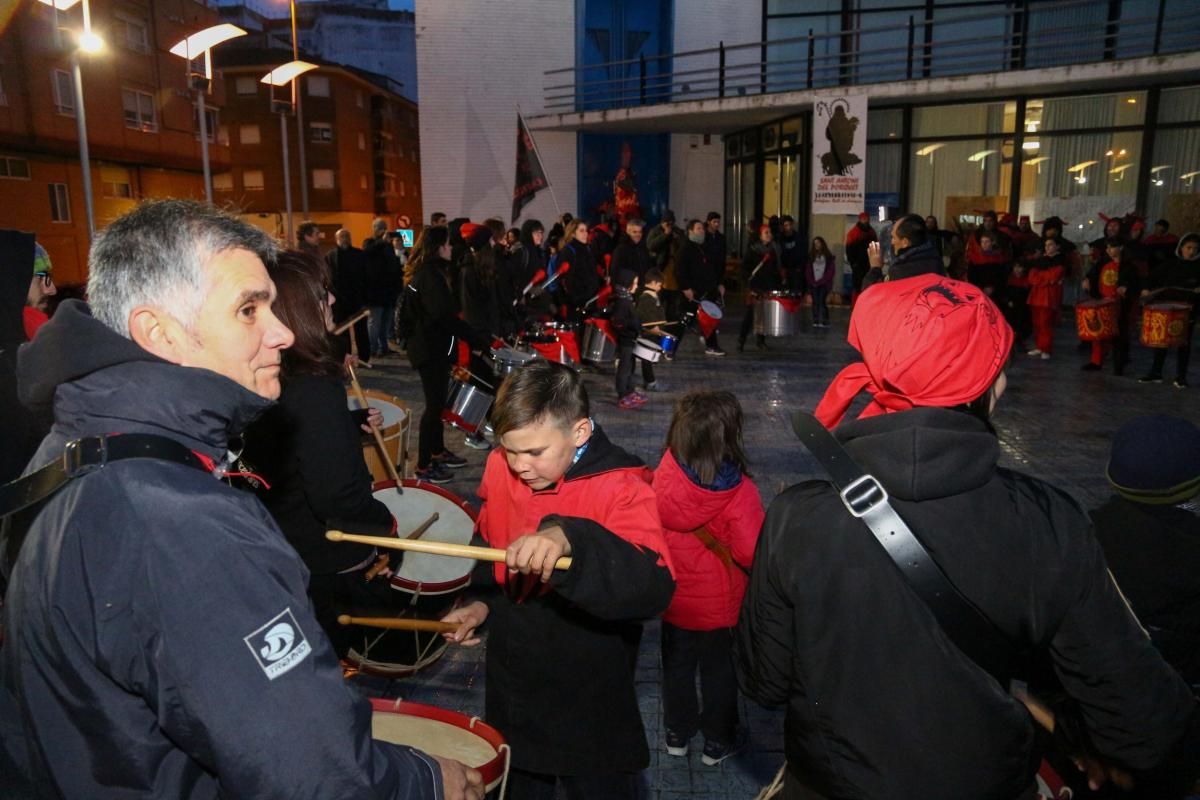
(168, 634)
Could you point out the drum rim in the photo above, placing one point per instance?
(441, 587)
(493, 770)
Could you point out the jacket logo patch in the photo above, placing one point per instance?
(278, 645)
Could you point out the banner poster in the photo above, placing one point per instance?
(839, 154)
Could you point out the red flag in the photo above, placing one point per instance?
(531, 178)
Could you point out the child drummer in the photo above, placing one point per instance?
(650, 309)
(563, 644)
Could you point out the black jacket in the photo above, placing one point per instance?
(308, 448)
(1177, 273)
(1154, 553)
(879, 702)
(348, 267)
(764, 278)
(482, 297)
(583, 280)
(174, 653)
(632, 257)
(436, 321)
(922, 259)
(384, 274)
(20, 429)
(623, 316)
(693, 271)
(715, 249)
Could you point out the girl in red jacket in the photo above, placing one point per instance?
(711, 513)
(1045, 297)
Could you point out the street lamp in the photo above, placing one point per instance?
(281, 75)
(299, 115)
(191, 48)
(90, 43)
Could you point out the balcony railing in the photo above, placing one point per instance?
(1027, 34)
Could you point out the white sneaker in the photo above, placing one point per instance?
(1034, 352)
(1045, 356)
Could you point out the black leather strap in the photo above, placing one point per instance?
(82, 456)
(865, 498)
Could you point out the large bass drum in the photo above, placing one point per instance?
(425, 586)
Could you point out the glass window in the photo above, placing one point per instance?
(210, 119)
(1179, 105)
(885, 123)
(358, 98)
(318, 85)
(750, 143)
(60, 203)
(965, 118)
(134, 33)
(64, 92)
(781, 186)
(249, 134)
(116, 182)
(788, 62)
(320, 132)
(955, 179)
(246, 84)
(1175, 177)
(882, 45)
(139, 109)
(732, 142)
(1089, 111)
(322, 179)
(17, 168)
(770, 138)
(970, 39)
(223, 182)
(1071, 33)
(791, 132)
(252, 179)
(883, 169)
(803, 6)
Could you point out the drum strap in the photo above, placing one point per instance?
(866, 499)
(718, 548)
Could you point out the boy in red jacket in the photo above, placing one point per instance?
(711, 514)
(563, 643)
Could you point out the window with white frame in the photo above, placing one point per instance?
(210, 117)
(249, 134)
(60, 203)
(140, 114)
(362, 141)
(15, 168)
(223, 182)
(246, 84)
(318, 85)
(320, 131)
(64, 92)
(133, 33)
(252, 180)
(322, 179)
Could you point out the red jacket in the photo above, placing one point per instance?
(708, 594)
(1046, 284)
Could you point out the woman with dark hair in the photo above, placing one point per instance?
(308, 450)
(583, 281)
(432, 347)
(821, 267)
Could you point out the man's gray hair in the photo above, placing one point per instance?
(155, 255)
(637, 223)
(379, 226)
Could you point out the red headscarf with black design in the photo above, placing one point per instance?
(925, 341)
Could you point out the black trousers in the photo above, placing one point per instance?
(711, 652)
(524, 785)
(435, 381)
(748, 325)
(625, 367)
(1183, 355)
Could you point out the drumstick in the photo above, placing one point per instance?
(476, 377)
(419, 531)
(383, 453)
(1044, 716)
(339, 330)
(656, 322)
(400, 623)
(433, 548)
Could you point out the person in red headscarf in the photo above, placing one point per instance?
(880, 700)
(858, 237)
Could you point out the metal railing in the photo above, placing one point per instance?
(918, 51)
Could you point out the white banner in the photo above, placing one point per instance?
(839, 154)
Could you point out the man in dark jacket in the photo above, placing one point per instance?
(348, 266)
(20, 429)
(665, 241)
(699, 279)
(1150, 532)
(915, 254)
(385, 277)
(193, 648)
(881, 702)
(631, 253)
(792, 254)
(715, 248)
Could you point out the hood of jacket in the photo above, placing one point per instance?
(693, 505)
(1187, 237)
(16, 270)
(101, 382)
(527, 229)
(600, 456)
(923, 453)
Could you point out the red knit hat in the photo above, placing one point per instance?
(864, 216)
(925, 341)
(476, 236)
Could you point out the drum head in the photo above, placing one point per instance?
(650, 344)
(393, 414)
(442, 733)
(513, 356)
(712, 309)
(422, 573)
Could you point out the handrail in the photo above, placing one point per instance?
(663, 77)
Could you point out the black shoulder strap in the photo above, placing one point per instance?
(82, 456)
(865, 498)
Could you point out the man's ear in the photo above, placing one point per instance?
(157, 332)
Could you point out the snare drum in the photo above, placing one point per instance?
(1165, 324)
(506, 361)
(778, 314)
(669, 344)
(708, 317)
(599, 345)
(444, 733)
(466, 406)
(395, 431)
(425, 585)
(647, 350)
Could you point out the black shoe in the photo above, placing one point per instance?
(761, 343)
(715, 752)
(677, 745)
(448, 459)
(1180, 383)
(1090, 367)
(1151, 378)
(435, 473)
(741, 345)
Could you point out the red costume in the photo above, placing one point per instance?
(1045, 299)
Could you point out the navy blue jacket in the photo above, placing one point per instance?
(159, 641)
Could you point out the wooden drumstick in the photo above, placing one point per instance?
(433, 548)
(419, 531)
(383, 453)
(345, 326)
(656, 322)
(400, 623)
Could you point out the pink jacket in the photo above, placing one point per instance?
(708, 594)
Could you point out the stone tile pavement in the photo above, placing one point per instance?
(1054, 422)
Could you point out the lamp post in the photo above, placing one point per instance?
(278, 77)
(87, 42)
(296, 101)
(191, 48)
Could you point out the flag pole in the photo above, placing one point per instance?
(536, 152)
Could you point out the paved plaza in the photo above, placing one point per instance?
(1054, 422)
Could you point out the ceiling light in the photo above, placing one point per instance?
(1108, 152)
(1189, 176)
(1081, 166)
(929, 149)
(1158, 182)
(1132, 101)
(1159, 168)
(1120, 169)
(61, 5)
(1031, 145)
(1037, 160)
(980, 156)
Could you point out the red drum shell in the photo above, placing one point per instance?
(1165, 324)
(1097, 320)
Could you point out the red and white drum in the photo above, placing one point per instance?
(1165, 324)
(426, 585)
(443, 733)
(396, 419)
(1097, 320)
(708, 317)
(599, 343)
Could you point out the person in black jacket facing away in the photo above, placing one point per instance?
(627, 327)
(308, 451)
(831, 627)
(432, 349)
(761, 271)
(698, 278)
(915, 254)
(792, 254)
(1150, 532)
(631, 252)
(348, 266)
